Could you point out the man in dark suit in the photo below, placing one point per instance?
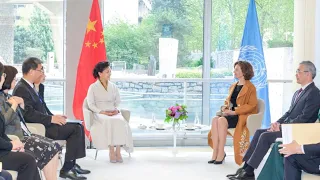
(300, 158)
(304, 108)
(56, 126)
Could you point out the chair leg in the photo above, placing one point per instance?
(96, 154)
(60, 158)
(40, 173)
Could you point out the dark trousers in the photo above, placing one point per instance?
(24, 163)
(73, 133)
(295, 164)
(5, 175)
(259, 146)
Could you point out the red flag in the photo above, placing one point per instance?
(93, 51)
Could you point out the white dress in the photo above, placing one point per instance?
(109, 130)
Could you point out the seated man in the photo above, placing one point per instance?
(273, 169)
(298, 158)
(304, 108)
(56, 126)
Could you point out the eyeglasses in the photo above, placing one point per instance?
(299, 71)
(41, 70)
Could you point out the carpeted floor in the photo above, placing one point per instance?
(159, 164)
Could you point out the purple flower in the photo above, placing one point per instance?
(177, 115)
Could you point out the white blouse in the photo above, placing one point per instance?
(99, 99)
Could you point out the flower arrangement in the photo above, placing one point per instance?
(176, 113)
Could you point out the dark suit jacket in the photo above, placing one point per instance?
(5, 144)
(312, 149)
(306, 107)
(35, 110)
(41, 94)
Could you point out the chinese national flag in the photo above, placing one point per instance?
(93, 51)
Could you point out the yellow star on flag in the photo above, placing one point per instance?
(95, 45)
(88, 44)
(101, 40)
(102, 33)
(90, 26)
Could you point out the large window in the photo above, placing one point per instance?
(156, 51)
(276, 28)
(155, 48)
(32, 28)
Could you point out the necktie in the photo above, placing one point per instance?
(298, 94)
(37, 93)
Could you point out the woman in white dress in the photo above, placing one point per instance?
(112, 129)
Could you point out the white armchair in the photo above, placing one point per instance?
(89, 118)
(254, 121)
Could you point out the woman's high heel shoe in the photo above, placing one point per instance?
(120, 160)
(220, 162)
(211, 161)
(111, 159)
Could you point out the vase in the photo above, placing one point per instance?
(175, 125)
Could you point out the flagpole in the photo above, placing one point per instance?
(206, 61)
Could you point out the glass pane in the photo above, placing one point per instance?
(54, 96)
(32, 29)
(276, 28)
(156, 43)
(154, 39)
(149, 100)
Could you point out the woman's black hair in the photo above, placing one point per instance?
(101, 66)
(11, 73)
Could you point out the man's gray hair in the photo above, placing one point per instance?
(310, 67)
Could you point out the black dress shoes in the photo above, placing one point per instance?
(237, 172)
(71, 174)
(211, 161)
(243, 175)
(81, 171)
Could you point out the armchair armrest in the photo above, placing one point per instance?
(126, 114)
(254, 122)
(13, 137)
(37, 128)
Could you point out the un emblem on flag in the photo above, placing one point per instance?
(256, 58)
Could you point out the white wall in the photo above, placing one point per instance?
(317, 41)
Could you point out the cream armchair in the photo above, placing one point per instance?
(254, 121)
(89, 119)
(39, 129)
(14, 174)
